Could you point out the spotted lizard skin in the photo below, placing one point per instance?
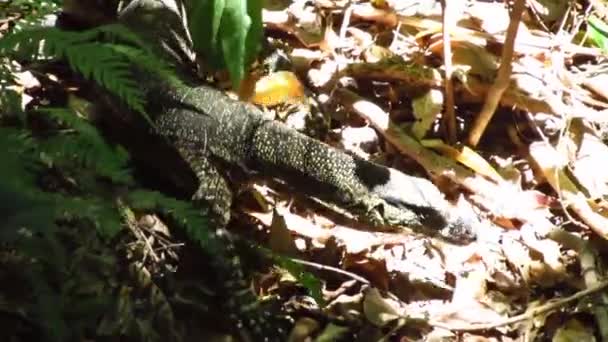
(212, 132)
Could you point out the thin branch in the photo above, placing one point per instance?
(332, 269)
(528, 315)
(502, 79)
(449, 117)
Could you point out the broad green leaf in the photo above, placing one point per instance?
(304, 278)
(204, 19)
(256, 30)
(227, 33)
(598, 32)
(235, 24)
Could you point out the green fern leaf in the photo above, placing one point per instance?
(185, 213)
(107, 63)
(87, 147)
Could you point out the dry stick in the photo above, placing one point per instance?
(345, 22)
(331, 268)
(449, 118)
(133, 227)
(502, 79)
(524, 316)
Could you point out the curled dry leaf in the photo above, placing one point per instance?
(281, 240)
(597, 84)
(419, 261)
(589, 153)
(347, 306)
(380, 311)
(552, 164)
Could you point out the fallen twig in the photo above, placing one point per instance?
(501, 83)
(528, 315)
(449, 117)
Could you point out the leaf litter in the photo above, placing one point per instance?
(525, 153)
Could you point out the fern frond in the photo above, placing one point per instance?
(103, 213)
(23, 204)
(109, 64)
(108, 69)
(87, 147)
(148, 62)
(18, 164)
(186, 214)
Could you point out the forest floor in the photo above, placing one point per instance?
(504, 107)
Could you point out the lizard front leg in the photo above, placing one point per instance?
(214, 193)
(213, 190)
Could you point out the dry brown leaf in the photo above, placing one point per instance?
(282, 21)
(467, 306)
(378, 310)
(356, 241)
(419, 268)
(598, 85)
(552, 164)
(589, 155)
(470, 56)
(551, 267)
(303, 58)
(281, 240)
(347, 306)
(574, 331)
(304, 226)
(263, 197)
(491, 17)
(372, 269)
(366, 11)
(323, 75)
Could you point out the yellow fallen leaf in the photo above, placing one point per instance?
(465, 156)
(277, 88)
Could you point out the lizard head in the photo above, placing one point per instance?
(427, 209)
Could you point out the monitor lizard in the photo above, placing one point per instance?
(212, 133)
